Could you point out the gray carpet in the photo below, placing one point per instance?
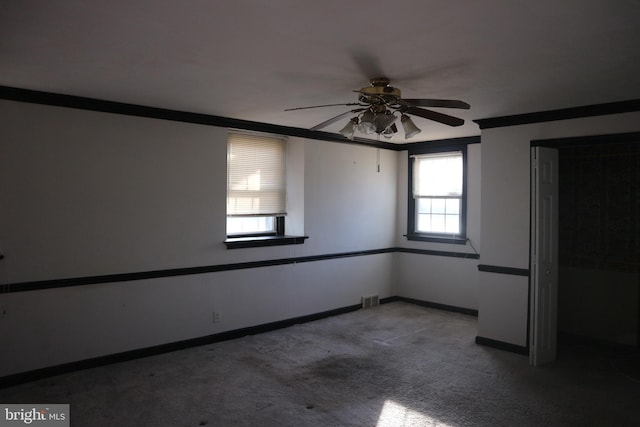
(394, 365)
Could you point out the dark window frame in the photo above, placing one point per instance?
(257, 240)
(267, 238)
(412, 234)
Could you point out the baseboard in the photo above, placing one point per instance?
(37, 374)
(452, 308)
(501, 345)
(41, 373)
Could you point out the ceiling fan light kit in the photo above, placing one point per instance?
(383, 121)
(366, 124)
(382, 104)
(350, 128)
(390, 131)
(410, 128)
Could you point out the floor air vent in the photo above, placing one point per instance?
(370, 301)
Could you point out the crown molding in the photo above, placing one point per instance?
(91, 104)
(561, 114)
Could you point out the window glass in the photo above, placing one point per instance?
(250, 225)
(436, 205)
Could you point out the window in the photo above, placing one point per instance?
(256, 191)
(256, 186)
(437, 198)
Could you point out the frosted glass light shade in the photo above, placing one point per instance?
(383, 121)
(349, 129)
(367, 125)
(410, 129)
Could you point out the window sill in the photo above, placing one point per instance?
(436, 239)
(260, 241)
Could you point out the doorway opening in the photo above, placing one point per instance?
(598, 242)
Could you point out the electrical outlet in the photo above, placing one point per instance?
(216, 317)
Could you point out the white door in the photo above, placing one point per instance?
(544, 255)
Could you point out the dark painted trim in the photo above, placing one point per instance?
(126, 277)
(387, 300)
(262, 241)
(445, 307)
(501, 345)
(576, 141)
(280, 228)
(438, 253)
(504, 270)
(155, 274)
(37, 374)
(444, 144)
(434, 239)
(561, 114)
(90, 104)
(437, 147)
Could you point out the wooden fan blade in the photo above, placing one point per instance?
(332, 120)
(444, 103)
(319, 106)
(435, 116)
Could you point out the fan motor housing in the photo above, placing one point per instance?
(380, 92)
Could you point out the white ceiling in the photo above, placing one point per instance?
(251, 59)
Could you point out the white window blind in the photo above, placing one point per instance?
(255, 175)
(438, 174)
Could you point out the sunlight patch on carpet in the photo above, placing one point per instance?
(396, 415)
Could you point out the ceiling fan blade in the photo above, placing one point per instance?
(319, 106)
(433, 115)
(332, 120)
(445, 103)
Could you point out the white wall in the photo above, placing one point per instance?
(86, 193)
(503, 299)
(439, 279)
(348, 205)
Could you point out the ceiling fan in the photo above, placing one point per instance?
(381, 104)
